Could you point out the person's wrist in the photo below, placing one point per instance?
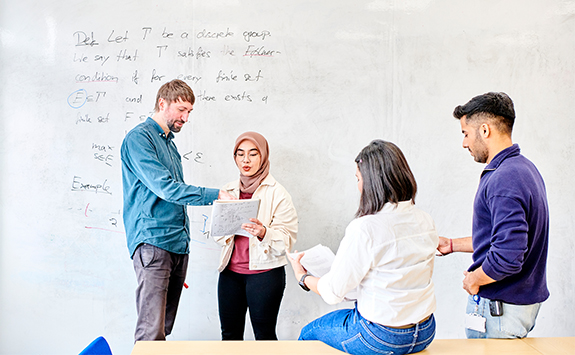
(302, 282)
(451, 245)
(261, 235)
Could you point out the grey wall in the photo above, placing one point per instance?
(76, 76)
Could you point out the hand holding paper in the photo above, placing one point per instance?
(317, 260)
(256, 228)
(295, 261)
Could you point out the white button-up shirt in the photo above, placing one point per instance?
(389, 257)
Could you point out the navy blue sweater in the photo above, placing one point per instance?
(511, 229)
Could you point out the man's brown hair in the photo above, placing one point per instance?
(173, 91)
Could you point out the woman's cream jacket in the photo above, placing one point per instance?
(278, 215)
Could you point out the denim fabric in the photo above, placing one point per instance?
(155, 195)
(262, 293)
(516, 322)
(160, 276)
(348, 331)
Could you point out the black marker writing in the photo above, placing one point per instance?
(84, 40)
(78, 185)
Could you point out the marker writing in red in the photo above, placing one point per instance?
(186, 285)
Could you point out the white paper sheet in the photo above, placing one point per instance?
(317, 260)
(228, 216)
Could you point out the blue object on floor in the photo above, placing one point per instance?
(97, 347)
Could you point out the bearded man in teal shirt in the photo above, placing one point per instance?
(155, 216)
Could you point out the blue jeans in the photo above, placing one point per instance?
(348, 331)
(516, 322)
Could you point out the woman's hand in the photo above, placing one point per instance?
(296, 265)
(256, 228)
(298, 269)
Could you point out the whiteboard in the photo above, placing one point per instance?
(319, 79)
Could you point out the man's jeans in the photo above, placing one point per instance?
(348, 331)
(160, 275)
(516, 322)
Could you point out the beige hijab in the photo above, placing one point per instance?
(249, 184)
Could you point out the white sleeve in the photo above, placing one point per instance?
(352, 262)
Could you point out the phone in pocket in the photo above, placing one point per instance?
(496, 308)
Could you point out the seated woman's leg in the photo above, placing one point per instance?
(333, 328)
(348, 331)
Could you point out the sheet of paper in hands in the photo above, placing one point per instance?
(229, 215)
(317, 260)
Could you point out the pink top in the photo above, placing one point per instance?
(240, 260)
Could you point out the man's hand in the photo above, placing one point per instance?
(475, 279)
(469, 284)
(445, 246)
(224, 195)
(448, 246)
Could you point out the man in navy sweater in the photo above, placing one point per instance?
(507, 280)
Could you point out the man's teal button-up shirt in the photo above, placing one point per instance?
(155, 195)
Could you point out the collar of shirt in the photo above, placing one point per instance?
(401, 206)
(501, 156)
(150, 121)
(235, 186)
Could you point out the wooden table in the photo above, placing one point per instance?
(552, 346)
(284, 347)
(527, 346)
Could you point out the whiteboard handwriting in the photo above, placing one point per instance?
(78, 185)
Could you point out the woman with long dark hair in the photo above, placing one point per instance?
(387, 253)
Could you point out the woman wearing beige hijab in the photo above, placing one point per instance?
(252, 273)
